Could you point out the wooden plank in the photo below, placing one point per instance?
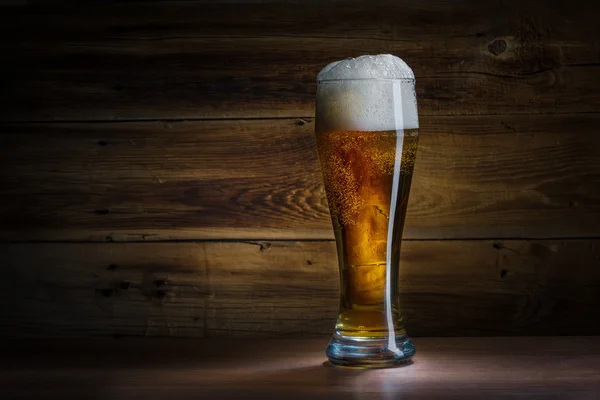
(251, 289)
(194, 60)
(68, 290)
(475, 177)
(465, 368)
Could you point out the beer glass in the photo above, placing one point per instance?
(366, 131)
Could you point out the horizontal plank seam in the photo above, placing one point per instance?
(277, 36)
(515, 76)
(260, 241)
(142, 120)
(125, 121)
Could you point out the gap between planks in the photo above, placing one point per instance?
(258, 241)
(282, 118)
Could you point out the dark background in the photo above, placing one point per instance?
(159, 173)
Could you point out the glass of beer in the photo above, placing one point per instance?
(366, 131)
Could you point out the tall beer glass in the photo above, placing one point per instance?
(367, 130)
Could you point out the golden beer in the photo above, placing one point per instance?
(367, 133)
(358, 170)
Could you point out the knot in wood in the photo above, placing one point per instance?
(497, 47)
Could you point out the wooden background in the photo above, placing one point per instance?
(159, 173)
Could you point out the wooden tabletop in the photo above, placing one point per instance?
(517, 367)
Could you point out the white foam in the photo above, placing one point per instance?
(382, 66)
(367, 93)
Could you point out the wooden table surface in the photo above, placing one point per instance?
(482, 368)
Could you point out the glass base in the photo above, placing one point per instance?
(355, 352)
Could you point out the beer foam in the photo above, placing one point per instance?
(382, 66)
(367, 93)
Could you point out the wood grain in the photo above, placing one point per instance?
(475, 177)
(196, 60)
(465, 368)
(252, 289)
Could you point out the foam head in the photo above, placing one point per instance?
(367, 93)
